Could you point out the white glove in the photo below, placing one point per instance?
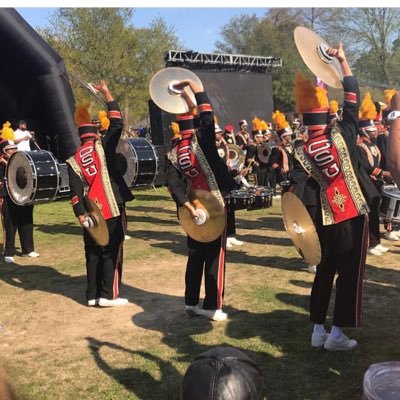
(89, 222)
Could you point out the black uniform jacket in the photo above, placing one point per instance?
(205, 133)
(109, 141)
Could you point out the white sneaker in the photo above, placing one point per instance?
(372, 251)
(193, 311)
(312, 269)
(391, 236)
(93, 302)
(341, 344)
(31, 254)
(381, 248)
(9, 259)
(215, 315)
(228, 244)
(112, 303)
(234, 241)
(127, 237)
(318, 339)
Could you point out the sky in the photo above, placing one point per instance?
(197, 28)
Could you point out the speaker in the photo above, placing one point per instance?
(160, 122)
(161, 178)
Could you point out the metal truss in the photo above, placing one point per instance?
(220, 62)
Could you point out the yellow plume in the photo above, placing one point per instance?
(389, 93)
(104, 121)
(279, 120)
(263, 125)
(308, 96)
(215, 120)
(7, 133)
(367, 108)
(82, 115)
(256, 123)
(333, 106)
(175, 129)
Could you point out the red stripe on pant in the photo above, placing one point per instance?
(221, 268)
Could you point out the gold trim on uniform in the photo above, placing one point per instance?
(205, 166)
(349, 177)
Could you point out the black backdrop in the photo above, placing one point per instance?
(233, 95)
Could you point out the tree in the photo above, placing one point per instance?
(101, 43)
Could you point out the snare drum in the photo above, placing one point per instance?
(33, 177)
(137, 161)
(389, 208)
(263, 196)
(239, 200)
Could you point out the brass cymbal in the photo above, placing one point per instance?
(236, 156)
(99, 232)
(214, 224)
(163, 93)
(263, 152)
(312, 50)
(301, 229)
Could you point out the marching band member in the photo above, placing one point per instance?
(14, 217)
(93, 173)
(243, 138)
(393, 119)
(194, 163)
(325, 179)
(367, 141)
(280, 161)
(229, 134)
(259, 167)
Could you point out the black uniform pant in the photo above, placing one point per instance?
(343, 247)
(208, 259)
(373, 219)
(230, 221)
(17, 218)
(104, 263)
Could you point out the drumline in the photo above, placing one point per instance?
(35, 177)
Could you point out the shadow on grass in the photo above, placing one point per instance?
(267, 222)
(45, 279)
(147, 219)
(261, 239)
(147, 209)
(139, 381)
(69, 228)
(284, 263)
(150, 195)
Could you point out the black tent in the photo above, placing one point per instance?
(34, 86)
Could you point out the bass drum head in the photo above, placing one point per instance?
(127, 162)
(137, 161)
(20, 180)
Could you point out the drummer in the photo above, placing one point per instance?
(194, 163)
(14, 216)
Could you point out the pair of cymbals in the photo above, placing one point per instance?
(99, 232)
(301, 229)
(312, 49)
(164, 93)
(211, 211)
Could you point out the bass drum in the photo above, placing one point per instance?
(138, 162)
(33, 177)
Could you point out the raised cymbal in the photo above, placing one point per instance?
(99, 232)
(301, 229)
(236, 155)
(310, 45)
(162, 91)
(214, 224)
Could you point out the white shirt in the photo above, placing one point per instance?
(24, 145)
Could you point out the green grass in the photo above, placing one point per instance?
(53, 347)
